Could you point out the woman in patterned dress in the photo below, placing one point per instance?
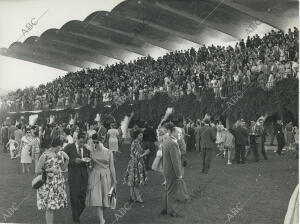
(26, 151)
(136, 171)
(52, 195)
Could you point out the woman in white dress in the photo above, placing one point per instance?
(113, 136)
(26, 151)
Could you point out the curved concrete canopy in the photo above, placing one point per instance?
(138, 28)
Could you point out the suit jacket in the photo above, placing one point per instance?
(259, 131)
(197, 133)
(278, 130)
(208, 137)
(240, 135)
(171, 159)
(77, 172)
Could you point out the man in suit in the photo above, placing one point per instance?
(171, 170)
(149, 138)
(207, 144)
(241, 136)
(278, 132)
(78, 176)
(252, 139)
(259, 139)
(197, 136)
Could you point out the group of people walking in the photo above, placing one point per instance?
(87, 155)
(91, 175)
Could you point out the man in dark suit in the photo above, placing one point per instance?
(259, 139)
(241, 136)
(149, 138)
(207, 144)
(278, 132)
(78, 176)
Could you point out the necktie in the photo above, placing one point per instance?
(78, 150)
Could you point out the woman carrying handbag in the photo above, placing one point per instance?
(52, 196)
(102, 178)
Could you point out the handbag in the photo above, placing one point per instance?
(182, 193)
(39, 180)
(112, 198)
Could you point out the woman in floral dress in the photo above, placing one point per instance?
(136, 172)
(52, 195)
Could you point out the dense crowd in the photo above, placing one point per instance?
(78, 147)
(263, 60)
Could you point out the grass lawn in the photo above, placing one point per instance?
(254, 193)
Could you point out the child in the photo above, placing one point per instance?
(228, 144)
(13, 145)
(220, 140)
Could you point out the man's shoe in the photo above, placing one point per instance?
(163, 212)
(77, 220)
(175, 215)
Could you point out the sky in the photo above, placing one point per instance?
(15, 14)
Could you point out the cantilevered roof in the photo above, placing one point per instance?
(137, 28)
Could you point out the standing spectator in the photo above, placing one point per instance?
(101, 178)
(4, 136)
(240, 135)
(278, 132)
(75, 134)
(207, 144)
(11, 131)
(47, 136)
(113, 138)
(149, 137)
(259, 131)
(68, 138)
(220, 138)
(197, 136)
(52, 195)
(172, 170)
(289, 135)
(26, 151)
(78, 175)
(35, 145)
(135, 175)
(18, 136)
(13, 146)
(229, 143)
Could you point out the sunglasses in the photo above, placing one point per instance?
(96, 142)
(28, 132)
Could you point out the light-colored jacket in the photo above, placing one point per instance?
(229, 140)
(171, 159)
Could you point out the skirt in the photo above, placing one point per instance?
(99, 185)
(113, 144)
(26, 155)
